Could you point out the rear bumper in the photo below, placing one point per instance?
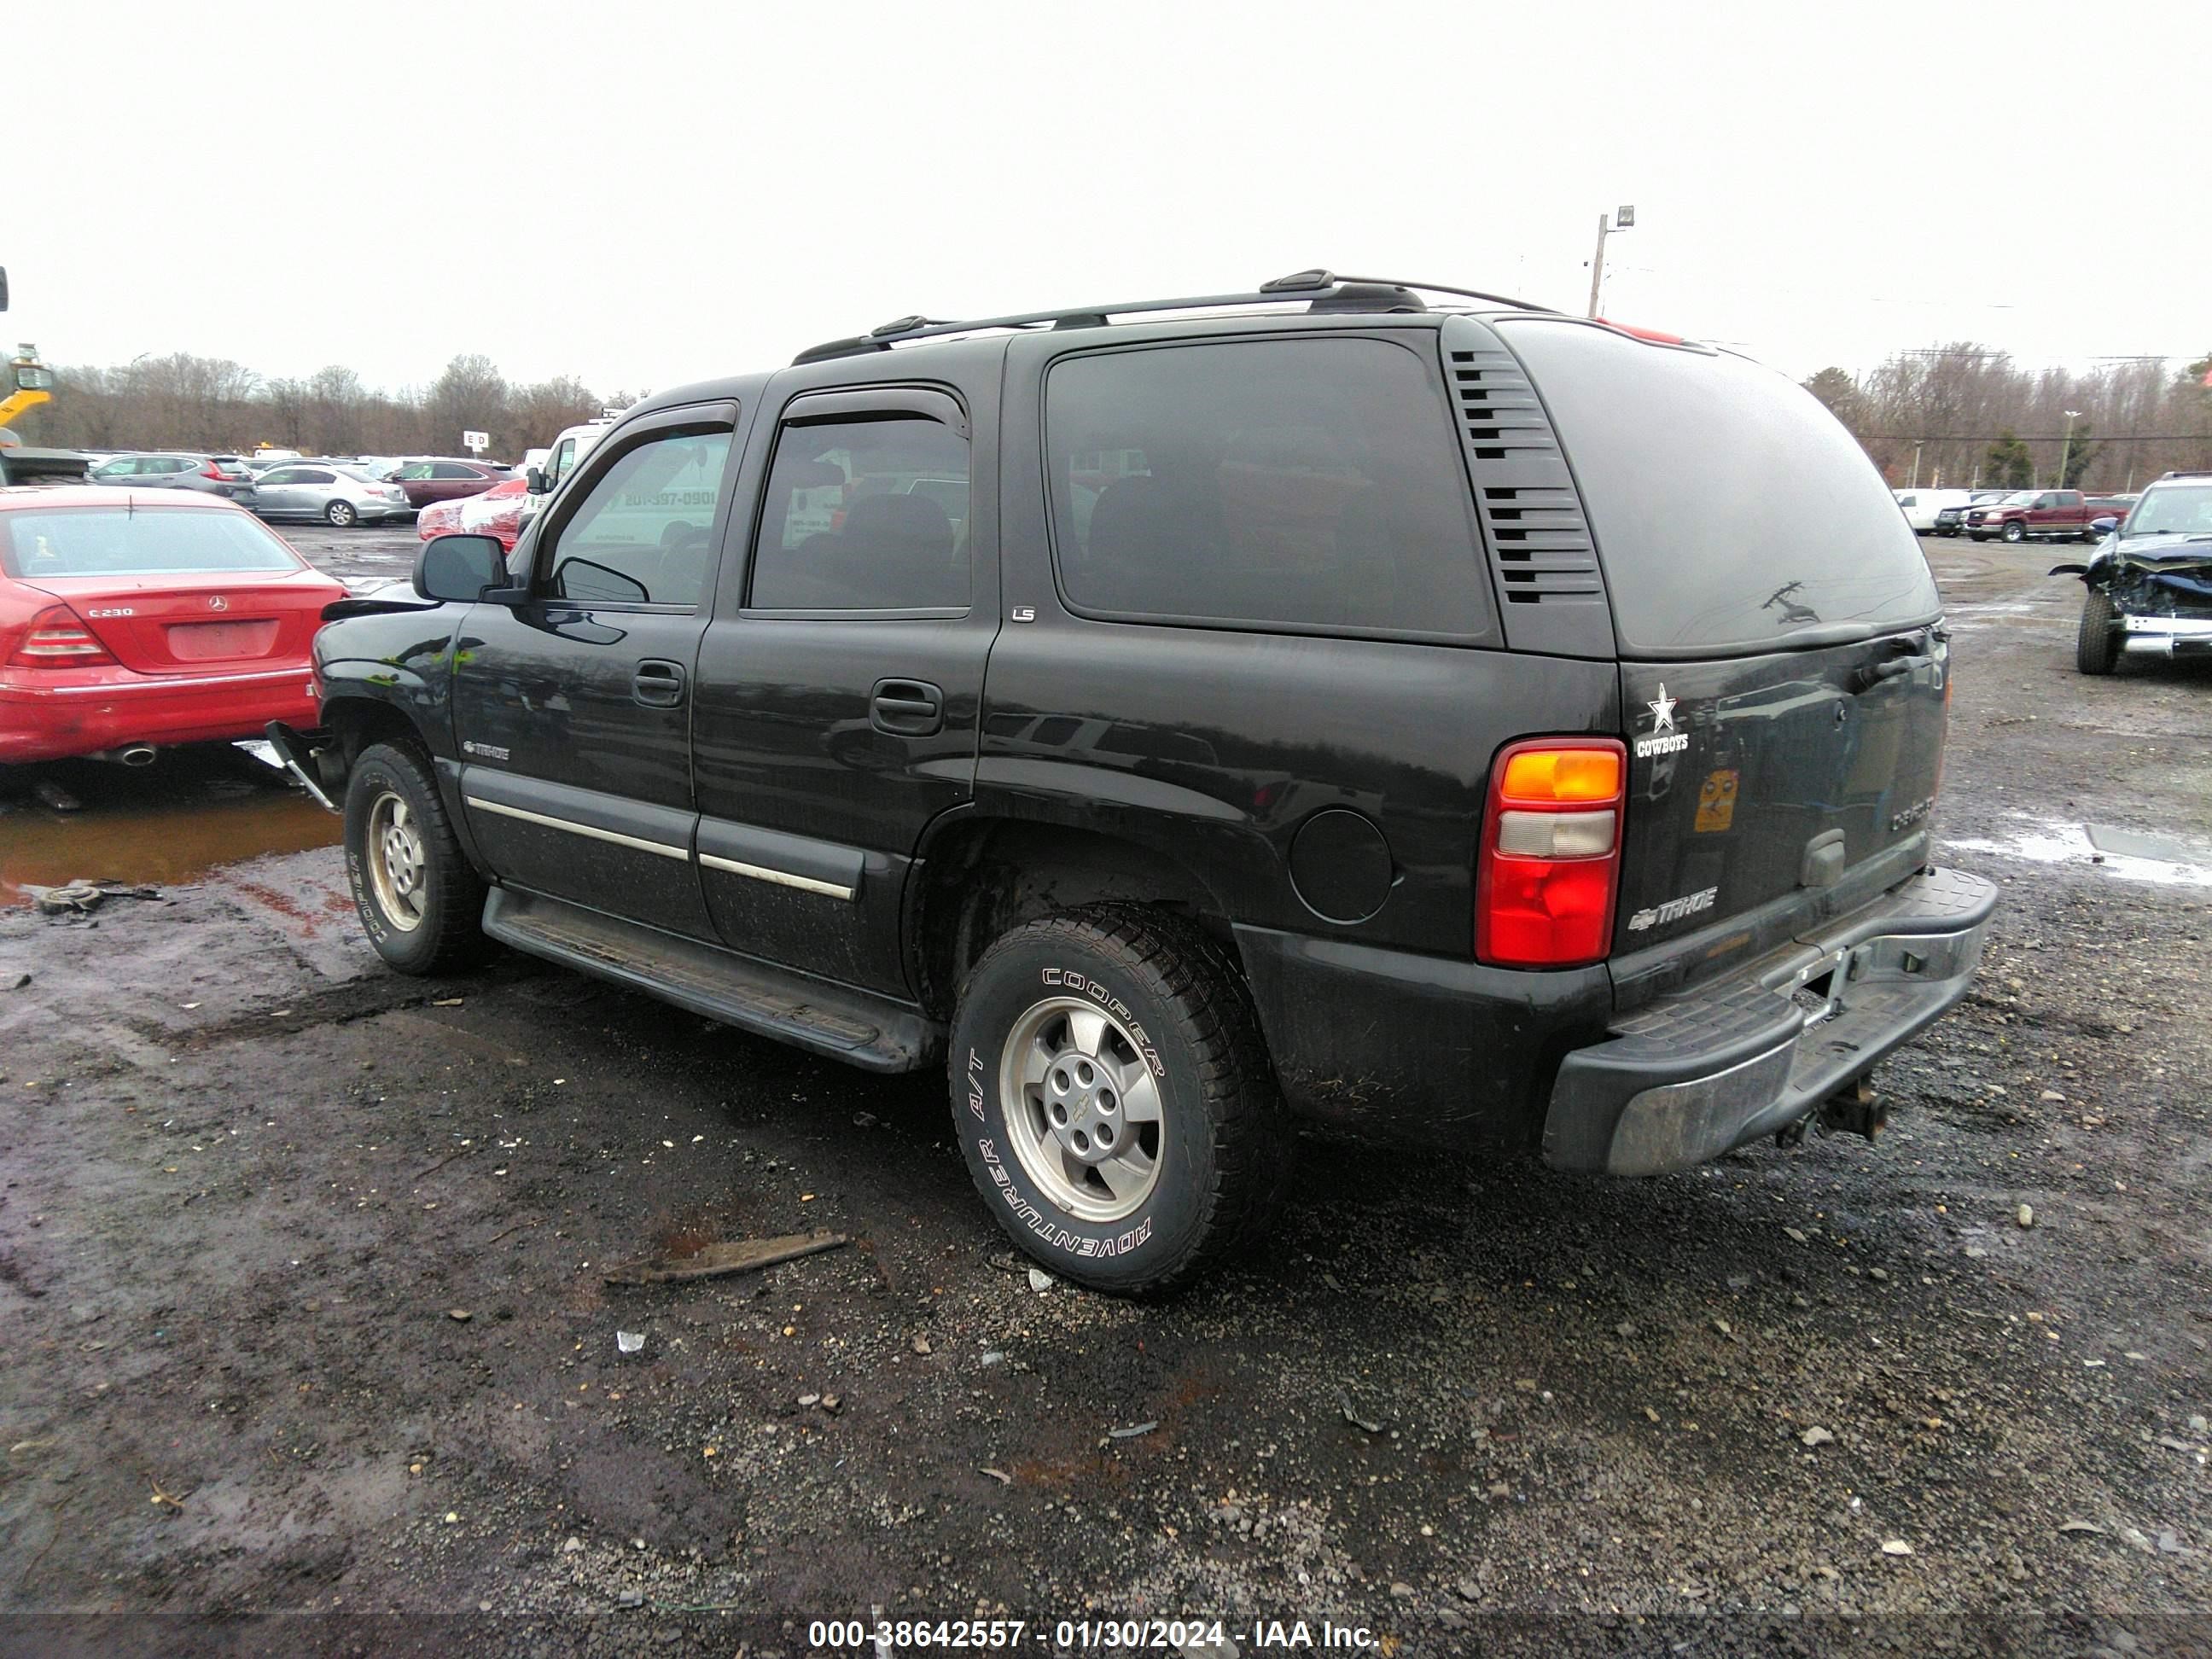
(1691, 1077)
(301, 753)
(53, 723)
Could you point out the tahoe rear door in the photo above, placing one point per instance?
(1783, 666)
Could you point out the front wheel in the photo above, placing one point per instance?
(419, 901)
(2097, 645)
(2015, 531)
(340, 514)
(1113, 1098)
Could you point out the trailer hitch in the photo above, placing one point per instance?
(1855, 1109)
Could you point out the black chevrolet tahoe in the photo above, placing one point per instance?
(1396, 708)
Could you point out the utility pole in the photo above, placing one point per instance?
(1624, 219)
(1918, 443)
(2066, 450)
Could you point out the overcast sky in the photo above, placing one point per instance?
(645, 191)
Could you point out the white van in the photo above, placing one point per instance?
(1920, 506)
(558, 459)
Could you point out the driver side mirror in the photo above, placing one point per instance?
(460, 568)
(2104, 526)
(536, 482)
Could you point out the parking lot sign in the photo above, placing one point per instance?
(477, 442)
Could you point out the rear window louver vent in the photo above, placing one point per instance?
(1537, 533)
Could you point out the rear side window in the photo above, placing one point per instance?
(1310, 484)
(865, 515)
(1732, 513)
(151, 542)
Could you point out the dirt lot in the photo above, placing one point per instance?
(300, 1266)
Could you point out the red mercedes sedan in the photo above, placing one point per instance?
(132, 620)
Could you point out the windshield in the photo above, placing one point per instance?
(2173, 510)
(2019, 498)
(1732, 513)
(150, 542)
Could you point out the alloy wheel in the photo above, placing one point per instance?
(397, 871)
(1082, 1109)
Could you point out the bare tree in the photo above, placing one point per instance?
(472, 394)
(536, 412)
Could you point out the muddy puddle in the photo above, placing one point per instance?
(187, 814)
(2124, 855)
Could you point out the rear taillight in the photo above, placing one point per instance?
(57, 638)
(211, 471)
(1550, 863)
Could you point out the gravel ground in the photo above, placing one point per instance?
(300, 1267)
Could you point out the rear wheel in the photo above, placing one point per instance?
(2015, 531)
(1113, 1098)
(341, 514)
(2097, 645)
(421, 903)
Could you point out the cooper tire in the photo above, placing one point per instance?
(1137, 1026)
(340, 514)
(2015, 531)
(419, 901)
(2097, 645)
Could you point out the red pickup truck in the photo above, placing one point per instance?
(2043, 514)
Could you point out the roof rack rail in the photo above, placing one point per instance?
(1325, 290)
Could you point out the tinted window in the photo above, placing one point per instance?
(865, 515)
(311, 475)
(413, 470)
(150, 542)
(449, 470)
(1731, 511)
(1304, 484)
(643, 533)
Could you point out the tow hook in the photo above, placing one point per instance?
(1854, 1110)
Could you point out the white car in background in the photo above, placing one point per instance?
(1920, 506)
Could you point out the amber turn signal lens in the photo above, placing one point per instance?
(1562, 774)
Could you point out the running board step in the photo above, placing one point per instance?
(874, 1033)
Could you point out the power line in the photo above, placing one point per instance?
(2001, 437)
(1985, 352)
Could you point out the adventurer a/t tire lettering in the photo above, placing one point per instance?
(1114, 1100)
